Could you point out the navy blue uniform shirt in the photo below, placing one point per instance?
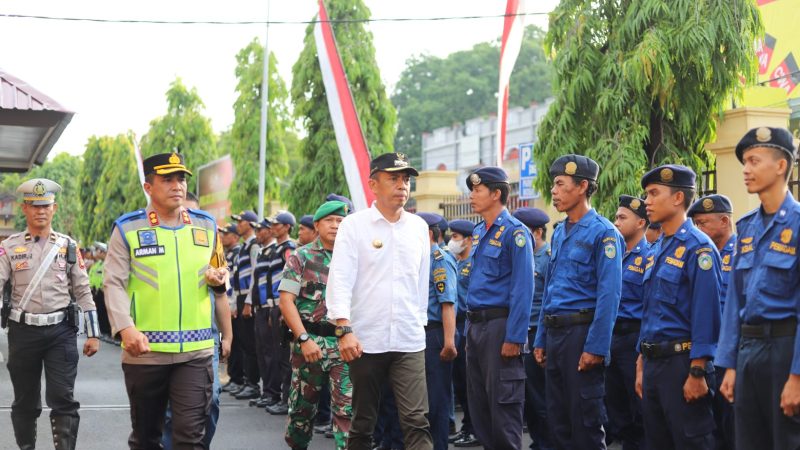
(442, 287)
(633, 263)
(541, 261)
(463, 267)
(765, 284)
(502, 273)
(727, 267)
(585, 273)
(681, 291)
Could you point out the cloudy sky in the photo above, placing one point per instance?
(114, 75)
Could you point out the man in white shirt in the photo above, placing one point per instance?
(378, 297)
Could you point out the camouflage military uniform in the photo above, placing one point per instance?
(306, 275)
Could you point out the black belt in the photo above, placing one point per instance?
(485, 315)
(581, 317)
(321, 329)
(770, 329)
(651, 350)
(433, 325)
(461, 318)
(627, 326)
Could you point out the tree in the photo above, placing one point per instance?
(87, 187)
(639, 83)
(323, 172)
(435, 92)
(62, 169)
(183, 129)
(245, 135)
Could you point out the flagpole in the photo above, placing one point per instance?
(262, 148)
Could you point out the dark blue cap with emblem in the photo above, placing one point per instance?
(265, 223)
(635, 204)
(711, 204)
(486, 175)
(307, 221)
(672, 175)
(532, 217)
(248, 216)
(443, 225)
(431, 219)
(285, 218)
(462, 227)
(575, 165)
(777, 138)
(341, 198)
(228, 228)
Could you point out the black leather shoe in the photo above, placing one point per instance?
(247, 393)
(467, 440)
(278, 409)
(323, 428)
(454, 437)
(231, 386)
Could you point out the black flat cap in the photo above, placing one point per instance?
(486, 175)
(778, 138)
(392, 162)
(672, 175)
(575, 165)
(635, 204)
(164, 164)
(711, 204)
(532, 217)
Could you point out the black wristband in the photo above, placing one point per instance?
(219, 289)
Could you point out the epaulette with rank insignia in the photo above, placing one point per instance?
(437, 255)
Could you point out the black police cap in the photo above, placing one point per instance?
(711, 204)
(777, 138)
(575, 165)
(532, 217)
(164, 164)
(486, 175)
(635, 204)
(672, 175)
(392, 162)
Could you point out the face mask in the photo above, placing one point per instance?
(455, 247)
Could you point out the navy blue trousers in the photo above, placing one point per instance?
(624, 406)
(439, 378)
(576, 410)
(761, 372)
(669, 421)
(460, 376)
(535, 402)
(724, 434)
(495, 387)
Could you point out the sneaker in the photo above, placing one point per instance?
(247, 393)
(259, 402)
(467, 440)
(323, 428)
(454, 437)
(231, 386)
(237, 389)
(278, 409)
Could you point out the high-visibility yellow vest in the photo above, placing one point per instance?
(170, 301)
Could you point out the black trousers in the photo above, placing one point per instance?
(30, 348)
(247, 334)
(278, 363)
(187, 387)
(102, 312)
(236, 358)
(263, 348)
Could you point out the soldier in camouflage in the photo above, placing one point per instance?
(315, 354)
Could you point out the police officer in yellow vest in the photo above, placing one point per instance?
(41, 267)
(160, 264)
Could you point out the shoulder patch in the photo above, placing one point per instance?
(705, 261)
(609, 239)
(703, 250)
(610, 250)
(520, 239)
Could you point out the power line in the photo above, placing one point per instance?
(261, 22)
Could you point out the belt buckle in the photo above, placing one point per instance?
(647, 347)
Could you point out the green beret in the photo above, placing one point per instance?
(333, 207)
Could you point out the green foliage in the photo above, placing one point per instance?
(323, 172)
(183, 129)
(638, 84)
(245, 135)
(435, 92)
(63, 169)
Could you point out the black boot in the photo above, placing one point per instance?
(65, 431)
(25, 432)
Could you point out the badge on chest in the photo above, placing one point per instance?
(148, 244)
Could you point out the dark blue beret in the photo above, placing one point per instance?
(461, 226)
(285, 218)
(576, 166)
(443, 225)
(341, 198)
(248, 216)
(430, 218)
(486, 175)
(670, 175)
(532, 217)
(307, 221)
(711, 204)
(778, 138)
(635, 204)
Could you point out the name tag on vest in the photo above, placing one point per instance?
(149, 251)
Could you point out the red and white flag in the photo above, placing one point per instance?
(513, 31)
(349, 136)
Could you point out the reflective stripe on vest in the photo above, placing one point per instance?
(170, 302)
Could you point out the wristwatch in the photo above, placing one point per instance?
(302, 338)
(342, 330)
(697, 371)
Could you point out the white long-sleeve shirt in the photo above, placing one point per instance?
(378, 279)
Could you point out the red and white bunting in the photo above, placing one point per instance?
(513, 31)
